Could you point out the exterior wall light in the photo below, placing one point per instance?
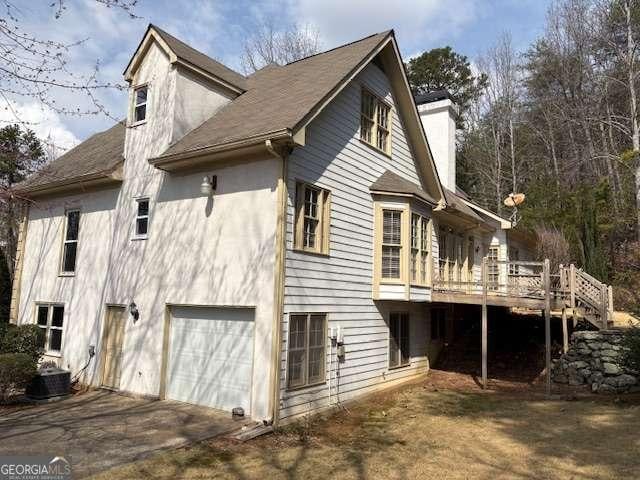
(208, 185)
(133, 310)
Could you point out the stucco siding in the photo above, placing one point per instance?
(340, 284)
(217, 251)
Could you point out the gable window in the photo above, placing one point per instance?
(306, 360)
(312, 219)
(142, 217)
(375, 121)
(398, 340)
(391, 243)
(438, 323)
(70, 247)
(140, 104)
(50, 319)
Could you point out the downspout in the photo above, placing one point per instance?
(278, 304)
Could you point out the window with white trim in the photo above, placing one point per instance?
(70, 244)
(399, 339)
(493, 270)
(306, 352)
(375, 121)
(391, 243)
(312, 218)
(50, 319)
(142, 217)
(140, 104)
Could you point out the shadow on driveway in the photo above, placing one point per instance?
(101, 429)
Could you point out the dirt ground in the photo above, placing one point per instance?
(442, 427)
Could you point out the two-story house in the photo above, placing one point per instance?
(279, 242)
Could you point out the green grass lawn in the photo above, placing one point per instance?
(419, 433)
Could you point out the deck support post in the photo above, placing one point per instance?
(565, 331)
(547, 320)
(484, 322)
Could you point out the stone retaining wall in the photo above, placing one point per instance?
(594, 359)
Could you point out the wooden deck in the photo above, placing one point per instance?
(528, 285)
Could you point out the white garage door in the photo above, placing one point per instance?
(211, 356)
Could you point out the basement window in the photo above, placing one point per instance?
(70, 244)
(50, 320)
(140, 104)
(306, 360)
(398, 340)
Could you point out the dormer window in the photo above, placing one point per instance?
(140, 104)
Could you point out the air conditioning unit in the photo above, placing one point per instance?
(50, 382)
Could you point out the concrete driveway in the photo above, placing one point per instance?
(101, 429)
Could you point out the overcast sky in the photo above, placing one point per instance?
(218, 28)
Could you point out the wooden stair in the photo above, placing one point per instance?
(587, 296)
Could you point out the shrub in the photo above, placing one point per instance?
(631, 355)
(25, 339)
(16, 371)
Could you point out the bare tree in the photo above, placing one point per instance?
(280, 46)
(35, 68)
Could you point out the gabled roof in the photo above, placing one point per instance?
(279, 97)
(179, 51)
(390, 182)
(96, 157)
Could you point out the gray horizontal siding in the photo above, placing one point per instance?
(340, 284)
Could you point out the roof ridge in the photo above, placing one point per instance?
(184, 44)
(385, 33)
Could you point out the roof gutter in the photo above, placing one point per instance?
(247, 145)
(102, 178)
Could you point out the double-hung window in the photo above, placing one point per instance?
(419, 248)
(70, 245)
(50, 319)
(398, 340)
(375, 121)
(140, 104)
(312, 218)
(142, 218)
(307, 339)
(391, 243)
(424, 249)
(493, 269)
(415, 247)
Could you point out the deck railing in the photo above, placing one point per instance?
(567, 287)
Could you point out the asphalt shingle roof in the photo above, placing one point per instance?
(191, 55)
(100, 153)
(276, 98)
(394, 183)
(279, 97)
